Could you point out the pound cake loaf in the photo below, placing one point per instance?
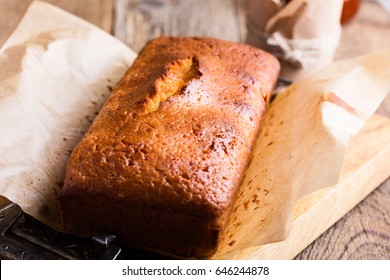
(162, 162)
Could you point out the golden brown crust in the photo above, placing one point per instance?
(171, 144)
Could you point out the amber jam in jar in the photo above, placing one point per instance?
(350, 8)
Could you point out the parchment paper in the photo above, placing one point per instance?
(55, 74)
(304, 34)
(56, 70)
(301, 146)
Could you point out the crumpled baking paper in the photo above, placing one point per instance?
(301, 146)
(56, 73)
(304, 34)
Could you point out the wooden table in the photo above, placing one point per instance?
(364, 233)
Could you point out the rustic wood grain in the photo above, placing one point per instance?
(139, 21)
(99, 12)
(363, 233)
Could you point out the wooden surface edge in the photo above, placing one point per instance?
(317, 212)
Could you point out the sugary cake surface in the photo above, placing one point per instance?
(163, 160)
